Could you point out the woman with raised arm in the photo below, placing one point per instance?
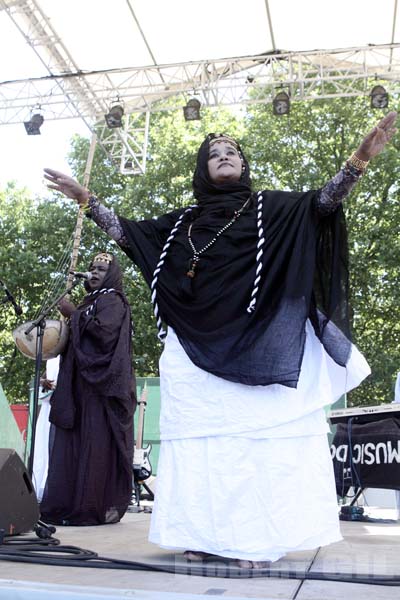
(252, 287)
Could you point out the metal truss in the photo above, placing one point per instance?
(305, 76)
(127, 146)
(67, 92)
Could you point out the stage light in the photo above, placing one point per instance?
(34, 124)
(281, 104)
(192, 110)
(114, 116)
(379, 97)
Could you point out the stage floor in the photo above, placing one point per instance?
(372, 549)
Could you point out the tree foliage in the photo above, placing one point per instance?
(300, 152)
(33, 236)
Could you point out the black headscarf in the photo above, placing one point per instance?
(209, 313)
(209, 195)
(112, 278)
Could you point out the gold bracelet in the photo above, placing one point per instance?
(357, 162)
(85, 207)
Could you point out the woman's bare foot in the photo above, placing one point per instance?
(253, 564)
(196, 555)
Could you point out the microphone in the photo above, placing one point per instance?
(88, 275)
(10, 298)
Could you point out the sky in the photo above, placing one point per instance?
(23, 157)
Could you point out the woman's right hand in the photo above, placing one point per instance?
(47, 384)
(66, 307)
(67, 186)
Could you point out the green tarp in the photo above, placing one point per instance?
(10, 436)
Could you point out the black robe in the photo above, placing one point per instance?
(304, 275)
(91, 443)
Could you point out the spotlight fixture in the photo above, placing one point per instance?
(379, 97)
(34, 124)
(114, 116)
(192, 110)
(281, 104)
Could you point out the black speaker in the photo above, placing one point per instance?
(19, 509)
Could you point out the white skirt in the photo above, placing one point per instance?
(245, 471)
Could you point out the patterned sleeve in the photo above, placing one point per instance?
(107, 220)
(335, 191)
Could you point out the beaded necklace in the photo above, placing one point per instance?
(194, 261)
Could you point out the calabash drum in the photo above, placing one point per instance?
(55, 338)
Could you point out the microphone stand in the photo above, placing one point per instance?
(42, 530)
(9, 298)
(40, 324)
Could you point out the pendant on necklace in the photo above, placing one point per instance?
(192, 267)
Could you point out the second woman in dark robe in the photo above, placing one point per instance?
(91, 440)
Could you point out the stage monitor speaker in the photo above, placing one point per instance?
(19, 508)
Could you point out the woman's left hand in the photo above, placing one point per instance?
(375, 141)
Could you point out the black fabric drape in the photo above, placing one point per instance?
(213, 325)
(304, 275)
(329, 310)
(99, 353)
